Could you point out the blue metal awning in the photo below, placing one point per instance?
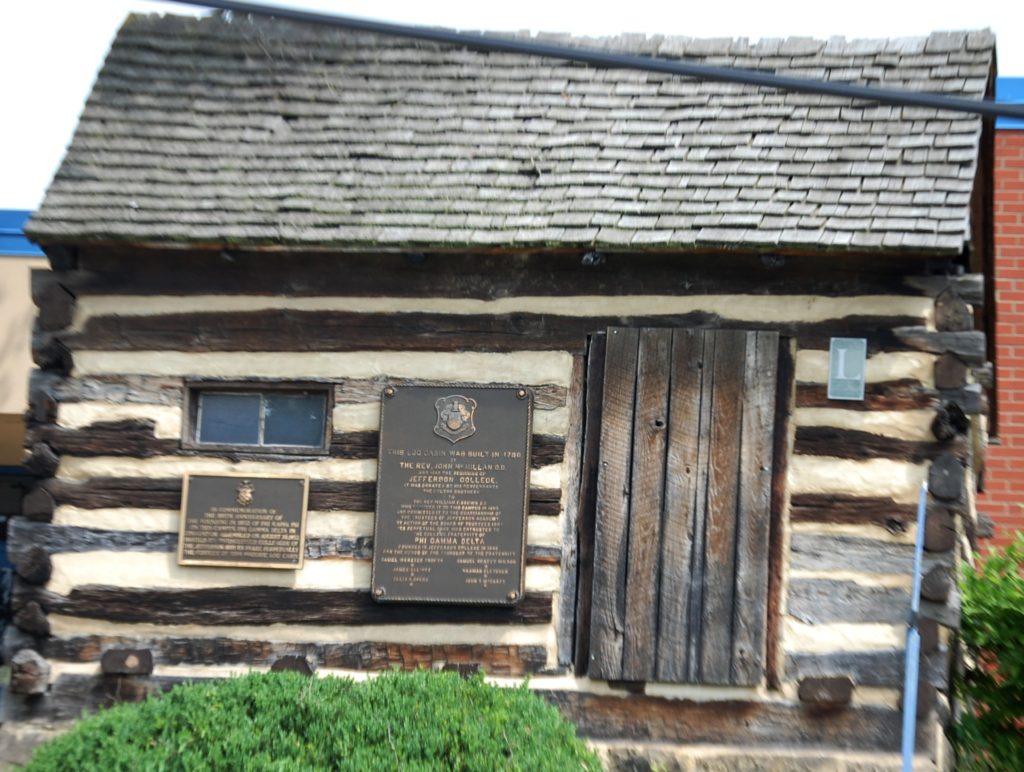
(12, 234)
(1010, 90)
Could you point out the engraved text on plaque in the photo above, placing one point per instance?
(243, 520)
(453, 478)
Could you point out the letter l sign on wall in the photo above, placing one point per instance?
(847, 362)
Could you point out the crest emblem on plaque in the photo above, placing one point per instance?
(455, 417)
(244, 493)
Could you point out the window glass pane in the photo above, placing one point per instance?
(294, 419)
(229, 418)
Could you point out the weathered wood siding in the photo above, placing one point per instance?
(106, 421)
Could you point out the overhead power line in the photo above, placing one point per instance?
(984, 107)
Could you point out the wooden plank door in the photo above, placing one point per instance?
(681, 510)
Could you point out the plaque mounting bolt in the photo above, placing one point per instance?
(379, 592)
(521, 394)
(389, 391)
(513, 595)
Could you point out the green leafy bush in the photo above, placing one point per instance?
(990, 731)
(285, 722)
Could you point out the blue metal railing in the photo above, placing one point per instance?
(912, 666)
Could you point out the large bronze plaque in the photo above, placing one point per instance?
(452, 483)
(243, 521)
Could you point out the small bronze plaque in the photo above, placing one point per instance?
(243, 521)
(452, 484)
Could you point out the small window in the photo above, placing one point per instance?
(289, 420)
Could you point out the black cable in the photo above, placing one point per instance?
(605, 59)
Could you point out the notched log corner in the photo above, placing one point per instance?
(939, 530)
(33, 565)
(937, 583)
(30, 673)
(42, 460)
(950, 421)
(952, 312)
(31, 619)
(946, 478)
(38, 505)
(295, 663)
(127, 662)
(950, 372)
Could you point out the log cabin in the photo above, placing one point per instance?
(718, 551)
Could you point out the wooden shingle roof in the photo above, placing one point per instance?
(266, 133)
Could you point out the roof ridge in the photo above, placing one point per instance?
(658, 44)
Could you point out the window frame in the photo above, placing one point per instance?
(194, 389)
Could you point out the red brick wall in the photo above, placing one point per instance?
(1003, 499)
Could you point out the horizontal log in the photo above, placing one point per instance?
(547, 396)
(855, 510)
(155, 390)
(970, 286)
(24, 535)
(971, 399)
(496, 659)
(487, 275)
(732, 722)
(71, 695)
(294, 330)
(867, 668)
(816, 552)
(902, 394)
(968, 345)
(850, 443)
(116, 389)
(134, 439)
(824, 601)
(164, 493)
(272, 605)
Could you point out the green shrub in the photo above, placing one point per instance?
(990, 732)
(285, 721)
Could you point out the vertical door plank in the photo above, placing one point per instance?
(650, 430)
(720, 528)
(754, 508)
(573, 463)
(681, 474)
(700, 499)
(607, 618)
(588, 498)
